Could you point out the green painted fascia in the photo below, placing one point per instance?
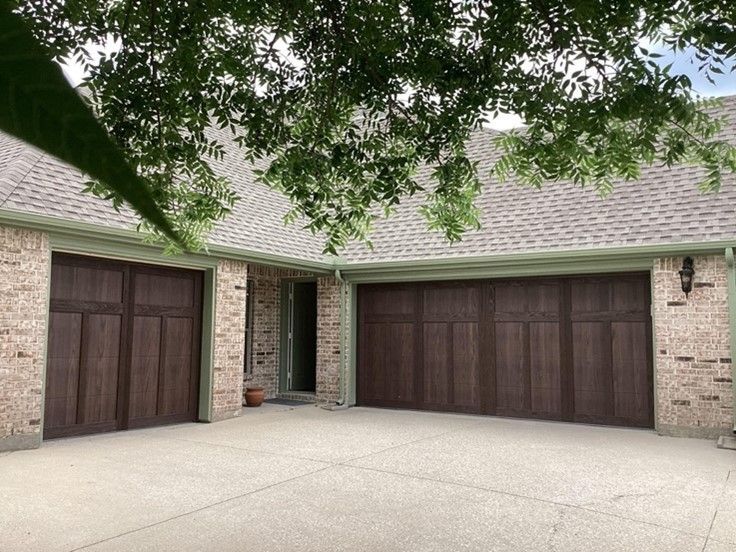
(136, 252)
(353, 358)
(498, 270)
(271, 259)
(47, 319)
(71, 232)
(532, 263)
(731, 274)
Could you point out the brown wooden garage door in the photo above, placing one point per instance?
(576, 349)
(123, 349)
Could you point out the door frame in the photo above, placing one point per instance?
(285, 319)
(147, 255)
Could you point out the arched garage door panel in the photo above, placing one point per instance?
(576, 349)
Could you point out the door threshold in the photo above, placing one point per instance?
(302, 396)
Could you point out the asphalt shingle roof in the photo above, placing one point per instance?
(663, 207)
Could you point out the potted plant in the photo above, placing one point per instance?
(254, 396)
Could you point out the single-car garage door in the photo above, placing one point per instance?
(123, 348)
(574, 348)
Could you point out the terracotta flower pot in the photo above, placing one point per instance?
(254, 396)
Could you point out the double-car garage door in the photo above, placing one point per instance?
(123, 348)
(576, 349)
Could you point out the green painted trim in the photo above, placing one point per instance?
(47, 321)
(207, 354)
(731, 275)
(542, 260)
(343, 352)
(655, 387)
(494, 270)
(270, 259)
(353, 358)
(130, 252)
(86, 232)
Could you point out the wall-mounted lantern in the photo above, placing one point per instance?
(686, 275)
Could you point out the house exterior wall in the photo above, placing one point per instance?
(24, 285)
(692, 347)
(229, 350)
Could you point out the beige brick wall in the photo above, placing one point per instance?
(693, 378)
(229, 350)
(328, 339)
(24, 276)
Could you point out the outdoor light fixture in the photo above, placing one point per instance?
(686, 275)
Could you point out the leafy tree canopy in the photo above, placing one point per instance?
(347, 99)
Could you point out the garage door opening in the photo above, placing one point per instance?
(575, 348)
(123, 348)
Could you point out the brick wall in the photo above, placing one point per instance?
(24, 274)
(328, 339)
(227, 383)
(693, 379)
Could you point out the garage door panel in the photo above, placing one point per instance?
(465, 362)
(630, 370)
(630, 295)
(373, 357)
(63, 358)
(511, 365)
(393, 300)
(592, 368)
(544, 363)
(176, 367)
(451, 302)
(400, 363)
(437, 367)
(543, 297)
(164, 290)
(509, 297)
(98, 375)
(589, 295)
(86, 283)
(144, 367)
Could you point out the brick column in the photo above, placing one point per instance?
(328, 339)
(24, 278)
(693, 356)
(227, 383)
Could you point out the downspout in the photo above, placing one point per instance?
(731, 275)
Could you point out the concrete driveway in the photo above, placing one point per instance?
(363, 479)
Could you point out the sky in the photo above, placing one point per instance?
(725, 85)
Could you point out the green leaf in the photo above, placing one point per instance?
(39, 106)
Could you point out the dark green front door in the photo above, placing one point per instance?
(302, 343)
